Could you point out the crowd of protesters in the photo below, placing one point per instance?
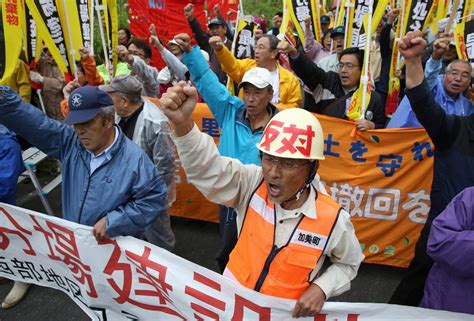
(118, 139)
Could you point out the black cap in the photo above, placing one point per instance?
(215, 21)
(325, 20)
(339, 30)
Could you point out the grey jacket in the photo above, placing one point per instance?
(153, 134)
(148, 75)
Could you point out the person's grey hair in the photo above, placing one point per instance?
(448, 68)
(133, 98)
(273, 40)
(106, 112)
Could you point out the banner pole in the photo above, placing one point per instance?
(92, 18)
(401, 21)
(338, 8)
(346, 27)
(454, 9)
(72, 52)
(102, 37)
(368, 41)
(40, 98)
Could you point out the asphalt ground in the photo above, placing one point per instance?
(196, 241)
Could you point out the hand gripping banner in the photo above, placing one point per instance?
(126, 279)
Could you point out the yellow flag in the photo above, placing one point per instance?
(357, 107)
(46, 21)
(11, 46)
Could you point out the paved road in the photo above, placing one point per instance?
(198, 242)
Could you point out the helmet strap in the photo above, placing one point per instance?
(307, 184)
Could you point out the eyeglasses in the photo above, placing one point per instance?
(348, 65)
(281, 162)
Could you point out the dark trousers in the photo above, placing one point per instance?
(410, 290)
(228, 229)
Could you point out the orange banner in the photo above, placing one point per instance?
(382, 177)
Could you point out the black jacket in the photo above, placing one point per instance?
(202, 38)
(453, 137)
(326, 88)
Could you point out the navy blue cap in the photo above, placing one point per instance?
(325, 20)
(339, 30)
(215, 21)
(85, 103)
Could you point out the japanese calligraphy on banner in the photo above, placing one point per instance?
(381, 177)
(361, 9)
(129, 279)
(464, 38)
(31, 37)
(297, 10)
(244, 39)
(10, 33)
(360, 36)
(418, 15)
(168, 17)
(75, 17)
(48, 25)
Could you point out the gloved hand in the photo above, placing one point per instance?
(36, 77)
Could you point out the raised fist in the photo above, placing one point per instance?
(189, 11)
(216, 43)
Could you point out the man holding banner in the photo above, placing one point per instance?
(108, 182)
(287, 224)
(453, 160)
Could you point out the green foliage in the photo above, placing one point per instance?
(268, 8)
(123, 22)
(262, 7)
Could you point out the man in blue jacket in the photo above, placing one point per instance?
(108, 181)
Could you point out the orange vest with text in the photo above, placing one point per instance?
(283, 272)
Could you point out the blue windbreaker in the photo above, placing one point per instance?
(127, 189)
(237, 139)
(11, 165)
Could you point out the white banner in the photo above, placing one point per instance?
(129, 279)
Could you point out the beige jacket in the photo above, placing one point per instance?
(226, 181)
(52, 91)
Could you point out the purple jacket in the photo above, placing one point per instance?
(450, 282)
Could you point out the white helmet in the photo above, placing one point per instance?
(293, 133)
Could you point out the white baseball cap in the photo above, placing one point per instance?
(205, 54)
(259, 77)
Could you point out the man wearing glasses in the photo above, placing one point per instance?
(138, 57)
(287, 224)
(447, 89)
(286, 87)
(333, 91)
